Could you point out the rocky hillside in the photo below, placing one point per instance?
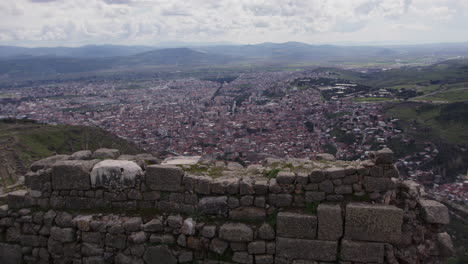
(24, 141)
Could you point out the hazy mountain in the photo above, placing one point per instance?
(90, 51)
(17, 61)
(47, 65)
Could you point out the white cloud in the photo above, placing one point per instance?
(77, 22)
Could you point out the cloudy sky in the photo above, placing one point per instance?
(149, 22)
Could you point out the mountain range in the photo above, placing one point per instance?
(21, 62)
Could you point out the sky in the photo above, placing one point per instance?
(34, 23)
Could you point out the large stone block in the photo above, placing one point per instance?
(434, 212)
(335, 172)
(17, 199)
(71, 175)
(367, 252)
(296, 225)
(164, 178)
(380, 223)
(37, 180)
(236, 232)
(115, 174)
(10, 254)
(48, 162)
(159, 254)
(383, 156)
(248, 214)
(213, 205)
(105, 153)
(330, 222)
(62, 234)
(304, 249)
(372, 184)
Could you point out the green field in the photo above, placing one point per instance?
(372, 99)
(448, 96)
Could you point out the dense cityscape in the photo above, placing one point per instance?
(250, 118)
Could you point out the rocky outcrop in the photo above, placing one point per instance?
(284, 211)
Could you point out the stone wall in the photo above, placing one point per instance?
(102, 208)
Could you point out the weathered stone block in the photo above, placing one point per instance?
(62, 234)
(236, 232)
(316, 176)
(242, 257)
(261, 186)
(434, 212)
(372, 184)
(213, 205)
(48, 162)
(154, 225)
(330, 222)
(383, 156)
(296, 225)
(203, 185)
(246, 186)
(133, 224)
(366, 252)
(71, 175)
(115, 174)
(266, 232)
(105, 153)
(164, 178)
(306, 249)
(249, 214)
(380, 223)
(82, 155)
(344, 189)
(285, 177)
(335, 173)
(219, 246)
(256, 247)
(264, 259)
(10, 254)
(17, 199)
(326, 186)
(37, 180)
(283, 200)
(312, 197)
(159, 254)
(445, 244)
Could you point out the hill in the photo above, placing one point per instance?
(46, 62)
(24, 141)
(50, 65)
(444, 125)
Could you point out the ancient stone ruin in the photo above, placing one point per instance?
(105, 208)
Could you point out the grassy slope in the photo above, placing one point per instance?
(450, 122)
(22, 143)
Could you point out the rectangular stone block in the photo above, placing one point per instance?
(37, 180)
(367, 252)
(10, 254)
(71, 175)
(296, 225)
(368, 222)
(330, 222)
(434, 212)
(17, 199)
(164, 178)
(306, 249)
(372, 184)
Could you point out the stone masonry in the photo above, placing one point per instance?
(102, 208)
